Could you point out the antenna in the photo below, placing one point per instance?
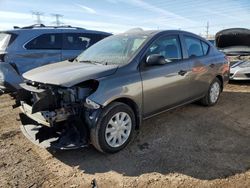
(57, 17)
(38, 16)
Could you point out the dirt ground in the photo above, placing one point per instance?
(192, 146)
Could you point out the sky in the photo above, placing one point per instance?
(118, 16)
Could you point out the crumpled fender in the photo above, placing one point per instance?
(115, 88)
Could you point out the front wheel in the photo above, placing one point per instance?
(213, 93)
(114, 129)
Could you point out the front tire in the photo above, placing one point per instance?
(114, 129)
(213, 93)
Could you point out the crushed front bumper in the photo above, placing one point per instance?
(30, 131)
(53, 120)
(64, 135)
(38, 117)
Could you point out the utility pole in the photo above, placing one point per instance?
(207, 30)
(57, 17)
(38, 16)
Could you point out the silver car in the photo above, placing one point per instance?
(235, 43)
(23, 49)
(102, 97)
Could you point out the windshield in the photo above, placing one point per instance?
(117, 49)
(5, 40)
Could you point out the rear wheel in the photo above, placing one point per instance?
(114, 129)
(213, 93)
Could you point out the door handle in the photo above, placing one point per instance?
(182, 72)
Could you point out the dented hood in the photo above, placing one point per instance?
(233, 40)
(68, 74)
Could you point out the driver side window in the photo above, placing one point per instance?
(168, 47)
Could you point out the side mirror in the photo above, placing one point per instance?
(155, 59)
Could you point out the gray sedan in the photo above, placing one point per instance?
(102, 97)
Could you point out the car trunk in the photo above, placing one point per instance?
(235, 43)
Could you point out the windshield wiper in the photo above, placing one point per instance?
(94, 62)
(91, 62)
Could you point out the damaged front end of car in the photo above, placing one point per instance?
(58, 117)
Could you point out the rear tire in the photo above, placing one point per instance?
(213, 93)
(114, 129)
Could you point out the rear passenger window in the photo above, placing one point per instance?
(205, 47)
(46, 41)
(80, 41)
(75, 41)
(194, 47)
(168, 46)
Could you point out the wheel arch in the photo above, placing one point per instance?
(221, 80)
(134, 107)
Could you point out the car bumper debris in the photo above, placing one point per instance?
(55, 117)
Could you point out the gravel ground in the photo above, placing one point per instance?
(186, 147)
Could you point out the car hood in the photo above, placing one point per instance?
(68, 74)
(233, 40)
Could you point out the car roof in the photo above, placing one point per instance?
(139, 31)
(54, 29)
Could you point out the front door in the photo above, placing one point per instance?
(164, 86)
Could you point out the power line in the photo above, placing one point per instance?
(38, 16)
(57, 17)
(207, 29)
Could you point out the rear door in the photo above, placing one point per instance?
(164, 86)
(196, 55)
(75, 43)
(43, 49)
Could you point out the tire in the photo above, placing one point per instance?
(110, 124)
(213, 93)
